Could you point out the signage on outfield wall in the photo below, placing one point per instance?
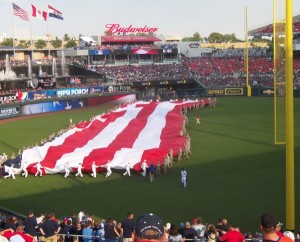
(72, 91)
(59, 105)
(9, 112)
(116, 28)
(162, 83)
(266, 92)
(121, 88)
(225, 91)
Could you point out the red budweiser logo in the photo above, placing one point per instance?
(115, 28)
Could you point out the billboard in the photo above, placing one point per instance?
(9, 112)
(72, 91)
(98, 52)
(225, 91)
(145, 51)
(53, 106)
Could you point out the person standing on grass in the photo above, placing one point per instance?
(11, 172)
(67, 170)
(144, 168)
(127, 168)
(79, 170)
(24, 166)
(151, 172)
(108, 169)
(38, 169)
(94, 170)
(157, 169)
(183, 177)
(198, 119)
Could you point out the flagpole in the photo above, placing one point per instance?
(31, 43)
(13, 35)
(48, 30)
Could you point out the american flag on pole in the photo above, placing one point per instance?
(131, 133)
(17, 11)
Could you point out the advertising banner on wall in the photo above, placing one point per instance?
(98, 89)
(162, 83)
(145, 52)
(9, 112)
(120, 88)
(37, 95)
(98, 52)
(225, 91)
(72, 91)
(53, 106)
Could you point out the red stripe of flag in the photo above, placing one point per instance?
(125, 139)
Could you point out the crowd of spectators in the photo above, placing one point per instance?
(223, 68)
(153, 72)
(240, 52)
(86, 228)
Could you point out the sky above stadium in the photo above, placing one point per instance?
(171, 17)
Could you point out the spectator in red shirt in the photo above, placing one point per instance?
(19, 236)
(233, 235)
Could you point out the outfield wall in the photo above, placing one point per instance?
(62, 104)
(65, 103)
(242, 91)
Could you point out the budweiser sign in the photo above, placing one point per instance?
(115, 28)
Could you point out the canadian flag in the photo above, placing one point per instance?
(38, 13)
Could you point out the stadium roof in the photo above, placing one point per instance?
(267, 30)
(129, 39)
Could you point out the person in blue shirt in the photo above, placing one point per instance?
(151, 172)
(88, 232)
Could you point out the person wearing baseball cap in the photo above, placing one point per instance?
(269, 226)
(149, 227)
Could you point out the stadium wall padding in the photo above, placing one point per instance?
(61, 104)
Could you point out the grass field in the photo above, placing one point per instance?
(235, 171)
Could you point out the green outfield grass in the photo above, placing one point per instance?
(235, 171)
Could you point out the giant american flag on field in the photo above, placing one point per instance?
(131, 133)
